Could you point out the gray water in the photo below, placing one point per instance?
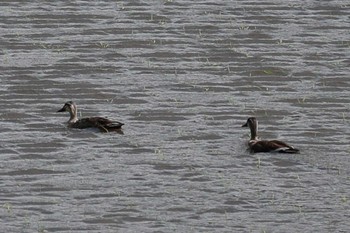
(183, 76)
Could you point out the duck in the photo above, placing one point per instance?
(103, 124)
(256, 145)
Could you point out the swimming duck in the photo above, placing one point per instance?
(103, 124)
(256, 145)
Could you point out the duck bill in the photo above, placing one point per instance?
(62, 110)
(245, 125)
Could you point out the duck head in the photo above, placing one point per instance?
(67, 107)
(70, 107)
(252, 123)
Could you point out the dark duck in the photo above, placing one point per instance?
(256, 145)
(103, 124)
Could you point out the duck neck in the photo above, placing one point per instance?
(73, 115)
(253, 131)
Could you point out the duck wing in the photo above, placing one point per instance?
(102, 123)
(105, 124)
(272, 146)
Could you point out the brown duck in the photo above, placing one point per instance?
(256, 145)
(103, 124)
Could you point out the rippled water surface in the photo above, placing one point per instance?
(183, 76)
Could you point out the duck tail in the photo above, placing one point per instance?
(115, 125)
(289, 150)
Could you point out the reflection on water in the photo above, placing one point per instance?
(184, 77)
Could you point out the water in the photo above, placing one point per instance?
(183, 76)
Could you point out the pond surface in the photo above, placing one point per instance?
(183, 76)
